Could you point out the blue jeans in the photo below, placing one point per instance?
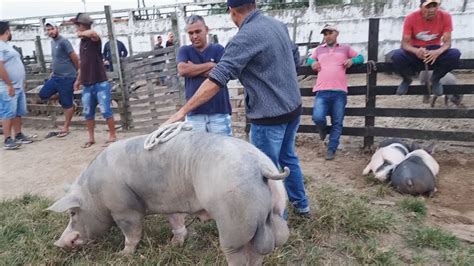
(332, 103)
(278, 143)
(97, 94)
(406, 63)
(214, 123)
(11, 107)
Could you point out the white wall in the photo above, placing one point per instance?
(351, 19)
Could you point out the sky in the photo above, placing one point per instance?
(10, 9)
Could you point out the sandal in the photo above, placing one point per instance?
(108, 142)
(52, 134)
(62, 134)
(87, 144)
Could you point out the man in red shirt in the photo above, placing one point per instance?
(426, 40)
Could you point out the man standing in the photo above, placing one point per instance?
(195, 61)
(159, 42)
(64, 70)
(170, 41)
(96, 88)
(426, 40)
(331, 60)
(12, 94)
(262, 56)
(122, 50)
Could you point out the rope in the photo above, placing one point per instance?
(165, 133)
(371, 66)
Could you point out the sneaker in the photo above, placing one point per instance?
(437, 88)
(330, 155)
(403, 88)
(10, 144)
(22, 139)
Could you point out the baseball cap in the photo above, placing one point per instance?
(424, 3)
(51, 23)
(82, 18)
(330, 27)
(237, 3)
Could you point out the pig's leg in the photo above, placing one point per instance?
(131, 225)
(236, 256)
(254, 257)
(179, 228)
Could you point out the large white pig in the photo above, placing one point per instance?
(222, 178)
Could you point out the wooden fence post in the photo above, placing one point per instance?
(39, 54)
(373, 50)
(117, 66)
(175, 29)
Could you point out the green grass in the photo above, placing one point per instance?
(367, 252)
(351, 214)
(427, 237)
(415, 205)
(344, 229)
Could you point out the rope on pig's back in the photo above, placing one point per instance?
(165, 133)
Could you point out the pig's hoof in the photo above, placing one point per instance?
(126, 252)
(177, 240)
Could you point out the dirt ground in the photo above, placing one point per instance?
(44, 166)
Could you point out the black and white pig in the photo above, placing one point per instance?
(212, 176)
(390, 153)
(416, 174)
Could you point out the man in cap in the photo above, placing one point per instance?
(12, 94)
(96, 88)
(65, 66)
(195, 61)
(426, 40)
(330, 60)
(263, 57)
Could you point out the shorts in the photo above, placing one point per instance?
(97, 94)
(64, 86)
(11, 107)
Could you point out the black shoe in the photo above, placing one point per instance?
(330, 155)
(10, 144)
(403, 88)
(322, 133)
(304, 215)
(20, 138)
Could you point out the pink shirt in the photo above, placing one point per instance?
(332, 75)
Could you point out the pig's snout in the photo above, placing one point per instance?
(69, 241)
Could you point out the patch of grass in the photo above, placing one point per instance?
(415, 205)
(419, 259)
(459, 257)
(383, 190)
(432, 238)
(352, 214)
(368, 253)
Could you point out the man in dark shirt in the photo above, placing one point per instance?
(159, 42)
(194, 63)
(96, 88)
(122, 50)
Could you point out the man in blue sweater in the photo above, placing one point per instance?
(264, 59)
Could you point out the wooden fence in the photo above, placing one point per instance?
(152, 86)
(370, 111)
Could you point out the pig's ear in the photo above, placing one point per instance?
(65, 203)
